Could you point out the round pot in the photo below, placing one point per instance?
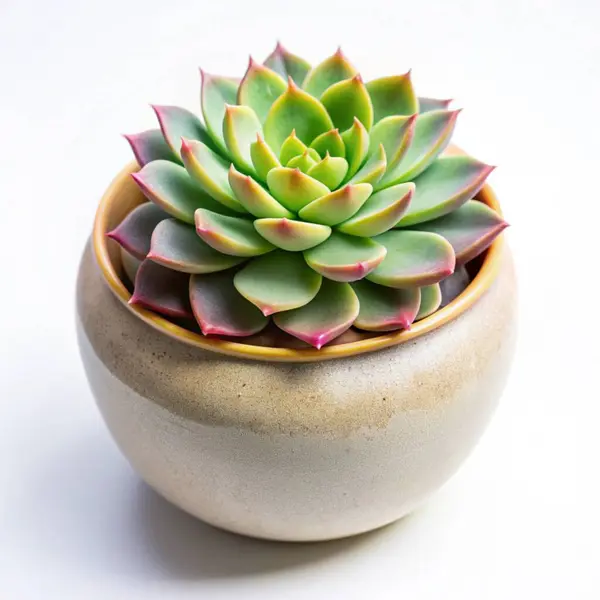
(292, 444)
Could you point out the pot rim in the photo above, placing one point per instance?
(478, 286)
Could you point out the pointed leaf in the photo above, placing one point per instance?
(346, 100)
(259, 88)
(396, 134)
(330, 142)
(150, 145)
(373, 170)
(380, 212)
(385, 309)
(292, 146)
(447, 184)
(220, 309)
(162, 290)
(263, 158)
(295, 109)
(330, 71)
(240, 128)
(345, 257)
(393, 96)
(356, 140)
(135, 230)
(210, 171)
(337, 206)
(293, 188)
(287, 64)
(429, 104)
(230, 235)
(177, 246)
(330, 171)
(278, 281)
(431, 298)
(432, 134)
(332, 312)
(293, 236)
(176, 123)
(254, 198)
(304, 162)
(216, 92)
(414, 259)
(470, 229)
(170, 186)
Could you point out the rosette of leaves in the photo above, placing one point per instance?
(304, 196)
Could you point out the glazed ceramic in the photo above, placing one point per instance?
(285, 444)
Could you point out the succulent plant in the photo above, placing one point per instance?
(305, 196)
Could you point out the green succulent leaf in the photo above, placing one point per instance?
(177, 246)
(470, 229)
(150, 145)
(446, 185)
(373, 170)
(431, 299)
(293, 188)
(356, 140)
(384, 308)
(293, 236)
(395, 134)
(346, 100)
(393, 96)
(219, 308)
(414, 259)
(259, 88)
(332, 312)
(432, 134)
(240, 128)
(295, 110)
(337, 206)
(330, 71)
(287, 64)
(304, 162)
(429, 104)
(292, 146)
(210, 171)
(330, 142)
(380, 212)
(345, 257)
(263, 158)
(135, 230)
(330, 171)
(169, 186)
(233, 236)
(278, 281)
(215, 94)
(253, 197)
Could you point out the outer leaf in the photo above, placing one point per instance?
(254, 198)
(337, 206)
(259, 88)
(293, 188)
(295, 109)
(176, 245)
(414, 259)
(263, 158)
(135, 230)
(345, 258)
(216, 92)
(330, 142)
(150, 145)
(373, 170)
(278, 281)
(380, 212)
(429, 104)
(240, 128)
(330, 171)
(220, 309)
(287, 64)
(162, 290)
(293, 236)
(395, 134)
(230, 235)
(455, 285)
(346, 100)
(304, 162)
(447, 184)
(330, 71)
(169, 186)
(326, 317)
(393, 96)
(385, 309)
(292, 146)
(356, 140)
(431, 298)
(210, 171)
(470, 229)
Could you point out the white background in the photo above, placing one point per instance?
(520, 520)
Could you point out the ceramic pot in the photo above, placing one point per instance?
(292, 444)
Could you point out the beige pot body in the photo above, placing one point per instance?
(295, 451)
